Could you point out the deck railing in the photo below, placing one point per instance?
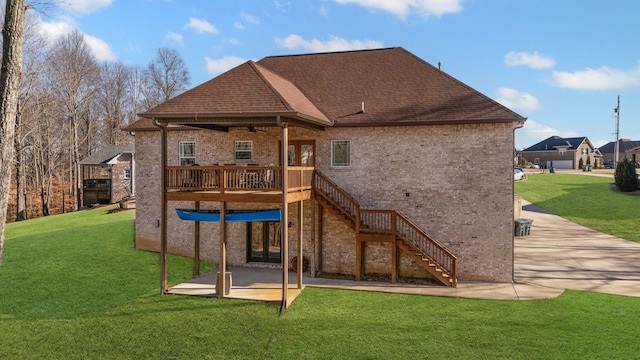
(234, 178)
(340, 199)
(393, 222)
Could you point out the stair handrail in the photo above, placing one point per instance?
(336, 195)
(433, 249)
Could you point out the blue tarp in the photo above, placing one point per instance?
(231, 215)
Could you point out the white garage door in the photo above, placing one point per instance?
(563, 164)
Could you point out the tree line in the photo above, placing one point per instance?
(71, 105)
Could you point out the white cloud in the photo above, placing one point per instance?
(174, 37)
(238, 25)
(516, 100)
(604, 78)
(52, 31)
(201, 26)
(223, 64)
(294, 41)
(533, 132)
(250, 18)
(401, 8)
(84, 6)
(100, 49)
(533, 60)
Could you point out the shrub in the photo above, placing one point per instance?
(580, 163)
(625, 176)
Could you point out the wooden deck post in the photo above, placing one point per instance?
(394, 249)
(163, 207)
(320, 237)
(221, 282)
(300, 228)
(196, 245)
(314, 257)
(284, 224)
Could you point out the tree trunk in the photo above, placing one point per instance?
(20, 178)
(10, 75)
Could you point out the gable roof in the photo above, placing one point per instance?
(106, 154)
(392, 86)
(625, 145)
(555, 142)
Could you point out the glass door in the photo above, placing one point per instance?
(263, 241)
(301, 153)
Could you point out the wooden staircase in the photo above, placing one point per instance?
(386, 225)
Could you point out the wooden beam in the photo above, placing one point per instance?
(320, 236)
(163, 208)
(358, 270)
(196, 245)
(394, 250)
(314, 256)
(300, 229)
(284, 245)
(221, 282)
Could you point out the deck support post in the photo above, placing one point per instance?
(394, 249)
(284, 224)
(314, 256)
(163, 207)
(299, 229)
(221, 283)
(196, 245)
(320, 238)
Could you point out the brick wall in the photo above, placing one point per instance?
(455, 181)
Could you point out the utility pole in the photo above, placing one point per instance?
(617, 154)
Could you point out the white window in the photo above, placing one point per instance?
(562, 151)
(340, 153)
(127, 173)
(244, 150)
(585, 151)
(187, 153)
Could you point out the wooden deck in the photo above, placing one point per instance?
(261, 184)
(263, 286)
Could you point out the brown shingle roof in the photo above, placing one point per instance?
(396, 87)
(248, 89)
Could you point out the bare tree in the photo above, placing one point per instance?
(114, 100)
(74, 71)
(10, 76)
(165, 77)
(34, 46)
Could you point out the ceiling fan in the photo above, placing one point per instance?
(252, 129)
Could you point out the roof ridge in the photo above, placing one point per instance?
(331, 52)
(256, 67)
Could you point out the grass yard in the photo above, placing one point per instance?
(73, 287)
(585, 200)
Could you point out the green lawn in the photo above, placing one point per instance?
(73, 287)
(586, 200)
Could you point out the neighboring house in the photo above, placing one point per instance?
(563, 153)
(626, 147)
(392, 166)
(108, 175)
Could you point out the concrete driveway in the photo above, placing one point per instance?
(560, 254)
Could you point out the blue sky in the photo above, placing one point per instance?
(561, 64)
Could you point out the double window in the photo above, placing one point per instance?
(187, 153)
(244, 150)
(340, 153)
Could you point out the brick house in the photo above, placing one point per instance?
(563, 153)
(626, 148)
(108, 175)
(394, 168)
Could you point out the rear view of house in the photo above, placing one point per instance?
(381, 164)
